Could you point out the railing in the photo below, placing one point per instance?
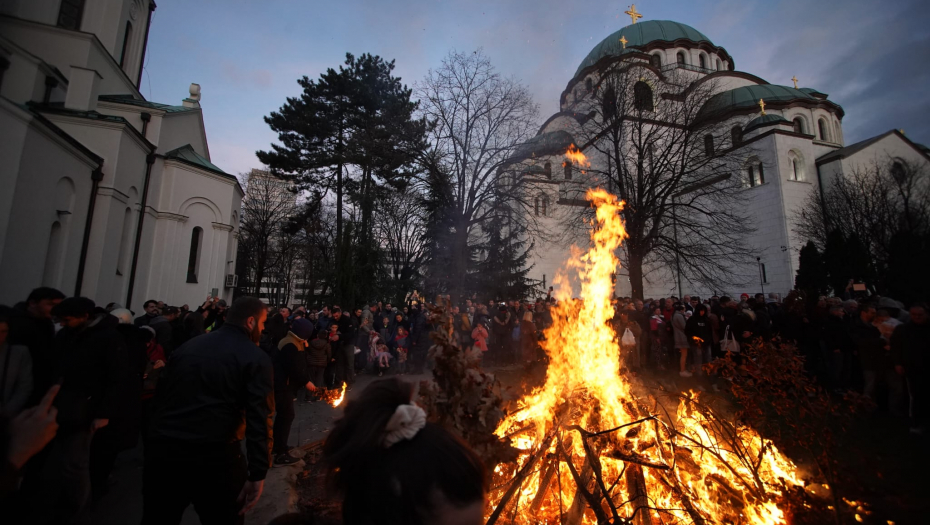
(689, 67)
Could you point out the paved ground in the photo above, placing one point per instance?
(123, 505)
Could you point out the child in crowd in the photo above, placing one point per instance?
(384, 358)
(402, 344)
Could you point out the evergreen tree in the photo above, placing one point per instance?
(907, 279)
(502, 273)
(835, 257)
(812, 276)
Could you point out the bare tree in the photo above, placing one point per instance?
(266, 208)
(652, 141)
(478, 120)
(401, 232)
(874, 202)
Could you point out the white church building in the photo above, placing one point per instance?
(106, 194)
(794, 149)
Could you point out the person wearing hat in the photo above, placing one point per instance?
(290, 375)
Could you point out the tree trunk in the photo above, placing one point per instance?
(459, 261)
(636, 275)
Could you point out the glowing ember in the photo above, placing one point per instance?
(342, 395)
(575, 156)
(593, 450)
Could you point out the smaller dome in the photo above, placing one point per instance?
(763, 121)
(550, 143)
(748, 96)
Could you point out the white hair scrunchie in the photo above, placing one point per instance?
(404, 424)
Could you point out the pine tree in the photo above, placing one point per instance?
(812, 276)
(502, 273)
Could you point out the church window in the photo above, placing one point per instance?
(53, 256)
(588, 85)
(761, 174)
(765, 277)
(755, 175)
(822, 128)
(702, 61)
(610, 103)
(718, 64)
(681, 58)
(70, 14)
(642, 96)
(127, 41)
(709, 145)
(193, 260)
(898, 173)
(656, 60)
(797, 166)
(548, 168)
(544, 206)
(798, 125)
(567, 168)
(536, 206)
(736, 135)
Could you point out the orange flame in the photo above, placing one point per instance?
(574, 155)
(585, 389)
(342, 395)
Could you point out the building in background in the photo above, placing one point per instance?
(107, 195)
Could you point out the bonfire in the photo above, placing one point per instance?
(595, 447)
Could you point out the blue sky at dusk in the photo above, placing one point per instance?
(870, 56)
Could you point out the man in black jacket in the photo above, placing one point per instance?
(216, 390)
(290, 377)
(910, 349)
(31, 326)
(345, 353)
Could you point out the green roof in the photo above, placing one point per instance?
(763, 121)
(812, 91)
(639, 35)
(187, 154)
(129, 99)
(551, 143)
(748, 96)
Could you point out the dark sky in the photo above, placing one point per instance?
(871, 57)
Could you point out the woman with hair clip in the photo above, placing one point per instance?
(391, 466)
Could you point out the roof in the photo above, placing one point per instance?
(748, 96)
(763, 121)
(639, 35)
(187, 154)
(129, 99)
(550, 143)
(812, 91)
(852, 149)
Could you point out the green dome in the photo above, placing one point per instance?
(748, 96)
(763, 121)
(638, 35)
(550, 143)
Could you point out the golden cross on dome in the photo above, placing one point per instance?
(795, 80)
(632, 13)
(623, 41)
(762, 105)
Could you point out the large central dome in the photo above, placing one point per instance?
(638, 35)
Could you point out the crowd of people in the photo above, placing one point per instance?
(211, 392)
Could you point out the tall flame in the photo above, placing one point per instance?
(689, 470)
(342, 395)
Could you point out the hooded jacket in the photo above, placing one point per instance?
(319, 351)
(290, 365)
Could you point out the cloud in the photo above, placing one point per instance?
(259, 78)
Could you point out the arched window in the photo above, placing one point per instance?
(702, 60)
(53, 257)
(799, 125)
(127, 41)
(588, 84)
(610, 103)
(898, 173)
(193, 260)
(755, 174)
(548, 168)
(536, 206)
(567, 169)
(681, 58)
(709, 145)
(822, 128)
(544, 205)
(736, 135)
(642, 96)
(796, 165)
(718, 64)
(656, 60)
(124, 242)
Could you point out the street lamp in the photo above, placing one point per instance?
(761, 280)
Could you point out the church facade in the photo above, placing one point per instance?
(782, 142)
(107, 195)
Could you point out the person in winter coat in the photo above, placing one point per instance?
(910, 349)
(700, 332)
(874, 353)
(319, 354)
(632, 356)
(479, 335)
(92, 365)
(290, 376)
(679, 325)
(15, 374)
(31, 326)
(839, 347)
(659, 334)
(528, 338)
